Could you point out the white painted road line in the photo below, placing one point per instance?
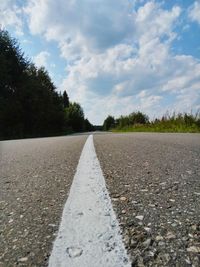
(89, 233)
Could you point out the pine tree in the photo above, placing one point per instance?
(65, 100)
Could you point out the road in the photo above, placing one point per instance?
(36, 176)
(159, 177)
(153, 181)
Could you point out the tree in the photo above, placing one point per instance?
(88, 126)
(75, 117)
(12, 68)
(29, 103)
(65, 100)
(109, 123)
(138, 118)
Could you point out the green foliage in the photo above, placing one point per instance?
(88, 126)
(75, 117)
(29, 103)
(97, 127)
(138, 118)
(168, 123)
(65, 100)
(109, 123)
(131, 119)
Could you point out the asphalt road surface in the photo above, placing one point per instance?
(153, 181)
(36, 176)
(154, 184)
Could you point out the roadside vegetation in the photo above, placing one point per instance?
(139, 122)
(30, 105)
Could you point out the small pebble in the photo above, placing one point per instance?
(147, 229)
(194, 249)
(139, 217)
(24, 259)
(74, 252)
(123, 198)
(170, 235)
(159, 237)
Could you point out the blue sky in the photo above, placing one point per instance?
(114, 56)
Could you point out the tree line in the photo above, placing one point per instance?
(30, 105)
(124, 121)
(139, 122)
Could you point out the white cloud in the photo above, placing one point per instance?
(194, 12)
(10, 15)
(152, 21)
(186, 77)
(91, 24)
(136, 83)
(41, 59)
(118, 58)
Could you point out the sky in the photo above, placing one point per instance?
(114, 56)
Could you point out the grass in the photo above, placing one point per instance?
(159, 129)
(181, 123)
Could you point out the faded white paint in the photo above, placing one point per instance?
(89, 234)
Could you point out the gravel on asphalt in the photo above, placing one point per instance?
(154, 184)
(36, 175)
